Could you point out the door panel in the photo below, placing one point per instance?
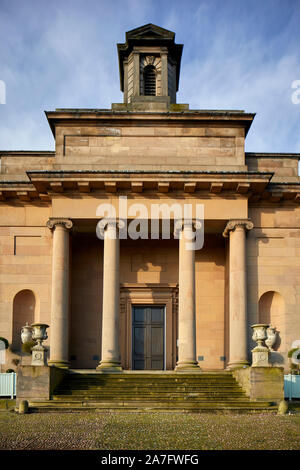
(157, 341)
(140, 340)
(157, 364)
(157, 315)
(148, 338)
(139, 315)
(139, 364)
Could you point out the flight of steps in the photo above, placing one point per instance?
(139, 392)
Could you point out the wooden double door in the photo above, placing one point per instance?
(148, 337)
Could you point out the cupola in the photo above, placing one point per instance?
(149, 63)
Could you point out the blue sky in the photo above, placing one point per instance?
(237, 55)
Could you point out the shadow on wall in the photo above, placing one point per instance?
(271, 312)
(276, 358)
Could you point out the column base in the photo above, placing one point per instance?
(237, 365)
(187, 367)
(109, 367)
(60, 364)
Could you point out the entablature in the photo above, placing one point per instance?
(257, 187)
(150, 181)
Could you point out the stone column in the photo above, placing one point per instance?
(236, 230)
(136, 73)
(164, 71)
(186, 303)
(59, 332)
(125, 81)
(110, 357)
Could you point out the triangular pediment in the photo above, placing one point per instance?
(150, 31)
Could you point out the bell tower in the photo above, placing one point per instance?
(149, 63)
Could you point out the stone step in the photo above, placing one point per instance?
(154, 399)
(148, 384)
(112, 384)
(154, 377)
(106, 391)
(115, 410)
(146, 390)
(150, 392)
(169, 393)
(104, 403)
(158, 387)
(147, 406)
(151, 374)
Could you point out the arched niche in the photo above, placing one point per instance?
(271, 311)
(23, 312)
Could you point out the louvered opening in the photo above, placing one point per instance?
(149, 81)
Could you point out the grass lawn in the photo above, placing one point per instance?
(149, 431)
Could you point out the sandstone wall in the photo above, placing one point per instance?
(274, 267)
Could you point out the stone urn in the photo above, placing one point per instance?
(260, 354)
(259, 333)
(26, 333)
(271, 337)
(38, 352)
(39, 332)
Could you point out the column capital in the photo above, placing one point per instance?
(113, 223)
(105, 224)
(180, 224)
(231, 225)
(65, 223)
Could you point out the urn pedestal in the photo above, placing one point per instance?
(39, 356)
(260, 357)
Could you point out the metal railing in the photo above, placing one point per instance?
(8, 384)
(292, 386)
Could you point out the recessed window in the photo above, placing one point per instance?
(149, 80)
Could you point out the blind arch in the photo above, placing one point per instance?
(23, 312)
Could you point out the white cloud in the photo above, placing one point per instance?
(63, 54)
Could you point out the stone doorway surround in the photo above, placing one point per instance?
(148, 294)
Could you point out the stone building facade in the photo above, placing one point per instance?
(147, 303)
